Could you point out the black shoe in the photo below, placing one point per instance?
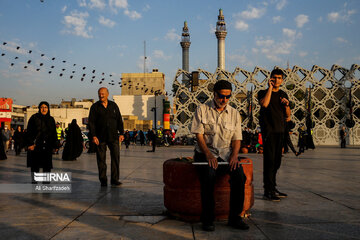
(280, 194)
(238, 223)
(209, 227)
(271, 197)
(297, 153)
(115, 183)
(103, 184)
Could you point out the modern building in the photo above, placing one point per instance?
(143, 83)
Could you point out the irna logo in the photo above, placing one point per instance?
(52, 177)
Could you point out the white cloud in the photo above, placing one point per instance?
(64, 9)
(172, 35)
(281, 4)
(115, 5)
(333, 17)
(140, 63)
(106, 22)
(255, 50)
(160, 54)
(252, 13)
(277, 19)
(100, 4)
(291, 34)
(343, 15)
(303, 53)
(12, 47)
(283, 48)
(264, 43)
(212, 29)
(132, 14)
(76, 24)
(273, 57)
(341, 40)
(241, 25)
(240, 59)
(118, 4)
(301, 20)
(82, 3)
(274, 50)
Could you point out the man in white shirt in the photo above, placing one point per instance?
(218, 132)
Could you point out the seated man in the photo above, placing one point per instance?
(218, 132)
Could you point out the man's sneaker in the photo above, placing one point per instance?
(280, 194)
(103, 183)
(209, 227)
(271, 197)
(238, 223)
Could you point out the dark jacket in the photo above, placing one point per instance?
(106, 123)
(74, 142)
(41, 131)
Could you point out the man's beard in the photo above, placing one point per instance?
(219, 104)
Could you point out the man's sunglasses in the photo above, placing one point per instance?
(223, 96)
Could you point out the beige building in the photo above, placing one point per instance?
(142, 83)
(64, 113)
(132, 122)
(140, 108)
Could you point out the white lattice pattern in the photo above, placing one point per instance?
(329, 98)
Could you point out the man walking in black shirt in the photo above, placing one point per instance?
(274, 112)
(107, 129)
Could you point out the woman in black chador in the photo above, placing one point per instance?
(18, 140)
(2, 150)
(74, 142)
(41, 139)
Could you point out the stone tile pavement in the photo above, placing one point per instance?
(323, 187)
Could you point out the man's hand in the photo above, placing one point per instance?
(121, 138)
(234, 163)
(212, 161)
(284, 101)
(96, 140)
(271, 82)
(31, 148)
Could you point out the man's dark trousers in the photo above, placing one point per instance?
(273, 144)
(207, 177)
(115, 160)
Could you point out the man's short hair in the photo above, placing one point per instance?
(222, 84)
(277, 71)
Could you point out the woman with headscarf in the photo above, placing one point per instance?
(2, 149)
(74, 142)
(18, 140)
(41, 139)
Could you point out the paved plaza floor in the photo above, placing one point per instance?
(323, 187)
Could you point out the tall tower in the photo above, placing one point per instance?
(221, 35)
(185, 45)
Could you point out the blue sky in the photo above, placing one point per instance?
(108, 36)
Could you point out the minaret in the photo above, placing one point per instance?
(221, 35)
(185, 45)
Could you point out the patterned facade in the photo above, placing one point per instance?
(329, 94)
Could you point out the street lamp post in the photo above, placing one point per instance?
(156, 93)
